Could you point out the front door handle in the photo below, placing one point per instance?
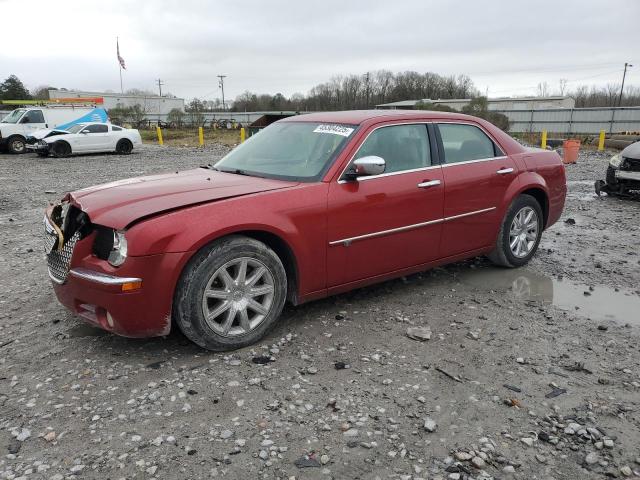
(429, 183)
(504, 171)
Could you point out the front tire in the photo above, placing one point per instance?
(16, 145)
(230, 294)
(61, 149)
(520, 233)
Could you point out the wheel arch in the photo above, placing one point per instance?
(275, 242)
(542, 198)
(529, 183)
(65, 142)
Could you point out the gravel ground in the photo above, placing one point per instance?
(461, 372)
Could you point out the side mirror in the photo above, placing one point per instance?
(84, 132)
(370, 165)
(24, 120)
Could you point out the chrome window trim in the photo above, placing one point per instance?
(482, 129)
(102, 278)
(348, 241)
(444, 165)
(418, 122)
(390, 174)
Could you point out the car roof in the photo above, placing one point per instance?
(358, 117)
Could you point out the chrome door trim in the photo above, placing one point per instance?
(347, 241)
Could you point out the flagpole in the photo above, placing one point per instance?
(119, 65)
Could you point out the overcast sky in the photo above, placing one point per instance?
(288, 46)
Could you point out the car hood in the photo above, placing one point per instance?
(118, 204)
(632, 151)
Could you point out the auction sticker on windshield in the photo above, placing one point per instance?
(335, 129)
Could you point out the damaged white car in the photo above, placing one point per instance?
(87, 138)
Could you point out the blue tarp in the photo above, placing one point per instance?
(96, 115)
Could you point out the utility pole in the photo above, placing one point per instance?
(160, 83)
(623, 76)
(221, 85)
(366, 77)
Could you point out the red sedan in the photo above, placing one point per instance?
(312, 206)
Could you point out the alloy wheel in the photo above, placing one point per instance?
(238, 297)
(523, 232)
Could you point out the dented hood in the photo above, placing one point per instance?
(118, 204)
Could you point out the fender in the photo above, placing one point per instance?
(279, 213)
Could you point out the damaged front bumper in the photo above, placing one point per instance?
(133, 300)
(38, 147)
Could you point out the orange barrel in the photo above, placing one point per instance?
(570, 149)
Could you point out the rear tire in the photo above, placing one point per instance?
(520, 233)
(61, 149)
(124, 147)
(230, 294)
(16, 144)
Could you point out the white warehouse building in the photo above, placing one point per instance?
(152, 104)
(503, 103)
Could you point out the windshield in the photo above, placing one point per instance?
(75, 128)
(288, 150)
(14, 116)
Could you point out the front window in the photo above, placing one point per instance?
(75, 128)
(403, 147)
(33, 116)
(14, 116)
(289, 150)
(97, 128)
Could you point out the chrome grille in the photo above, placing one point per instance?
(58, 261)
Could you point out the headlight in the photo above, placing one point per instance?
(615, 161)
(118, 253)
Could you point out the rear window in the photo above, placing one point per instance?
(463, 143)
(116, 129)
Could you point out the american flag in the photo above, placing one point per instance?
(120, 59)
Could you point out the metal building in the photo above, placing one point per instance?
(502, 103)
(151, 104)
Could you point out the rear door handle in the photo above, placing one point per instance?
(504, 171)
(429, 183)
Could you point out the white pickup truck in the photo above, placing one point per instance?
(22, 122)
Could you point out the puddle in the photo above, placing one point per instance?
(84, 330)
(602, 304)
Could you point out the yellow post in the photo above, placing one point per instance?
(200, 136)
(601, 141)
(543, 142)
(159, 133)
(242, 135)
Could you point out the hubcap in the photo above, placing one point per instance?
(238, 297)
(17, 146)
(523, 232)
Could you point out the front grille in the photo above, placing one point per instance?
(632, 164)
(58, 261)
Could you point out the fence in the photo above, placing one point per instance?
(574, 120)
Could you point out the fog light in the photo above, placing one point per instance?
(131, 286)
(109, 320)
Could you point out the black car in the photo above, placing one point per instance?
(623, 172)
